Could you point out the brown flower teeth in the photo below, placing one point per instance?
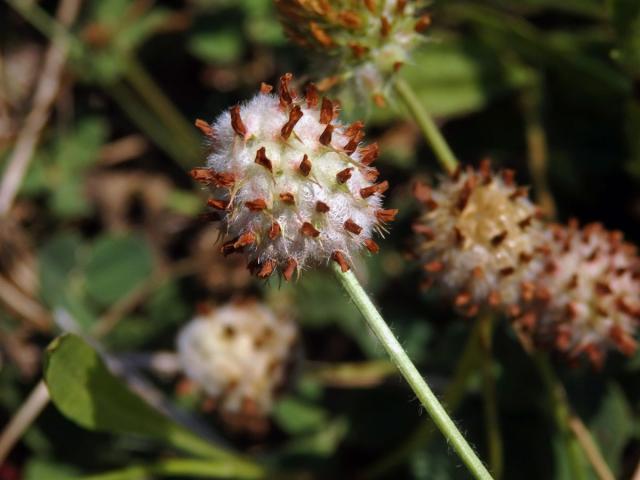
(291, 183)
(473, 236)
(368, 43)
(590, 302)
(572, 289)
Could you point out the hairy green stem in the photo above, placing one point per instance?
(559, 405)
(410, 373)
(452, 398)
(490, 403)
(428, 126)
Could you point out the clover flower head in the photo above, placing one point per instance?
(292, 185)
(369, 40)
(589, 299)
(479, 238)
(238, 354)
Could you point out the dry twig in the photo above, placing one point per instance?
(45, 95)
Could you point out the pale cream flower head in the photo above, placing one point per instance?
(479, 238)
(589, 293)
(293, 186)
(238, 354)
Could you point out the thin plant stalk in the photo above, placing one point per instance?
(139, 115)
(537, 148)
(44, 97)
(560, 409)
(184, 468)
(23, 418)
(172, 124)
(452, 398)
(146, 87)
(428, 126)
(490, 400)
(410, 373)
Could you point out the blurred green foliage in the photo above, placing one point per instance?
(109, 212)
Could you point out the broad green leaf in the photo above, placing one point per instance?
(116, 265)
(295, 416)
(57, 258)
(80, 147)
(61, 282)
(37, 469)
(84, 390)
(69, 199)
(165, 310)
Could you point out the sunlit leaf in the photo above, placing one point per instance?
(84, 390)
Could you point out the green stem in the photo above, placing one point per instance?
(452, 398)
(560, 408)
(183, 467)
(494, 438)
(410, 373)
(429, 128)
(168, 114)
(140, 116)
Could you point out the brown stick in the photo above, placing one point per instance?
(45, 95)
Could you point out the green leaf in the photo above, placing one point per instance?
(79, 149)
(57, 258)
(69, 199)
(116, 265)
(625, 17)
(295, 416)
(37, 469)
(221, 46)
(86, 392)
(322, 443)
(182, 468)
(613, 426)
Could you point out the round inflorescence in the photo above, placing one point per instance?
(369, 39)
(588, 297)
(238, 354)
(479, 238)
(292, 185)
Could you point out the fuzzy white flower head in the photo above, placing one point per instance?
(367, 41)
(479, 238)
(238, 354)
(590, 287)
(294, 185)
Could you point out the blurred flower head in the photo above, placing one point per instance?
(238, 354)
(292, 185)
(368, 40)
(588, 298)
(479, 238)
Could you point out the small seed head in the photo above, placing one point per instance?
(290, 184)
(592, 281)
(368, 41)
(473, 237)
(238, 354)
